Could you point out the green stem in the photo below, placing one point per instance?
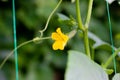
(89, 13)
(80, 25)
(110, 59)
(85, 31)
(22, 44)
(86, 42)
(84, 28)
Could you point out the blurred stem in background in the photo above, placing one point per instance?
(21, 45)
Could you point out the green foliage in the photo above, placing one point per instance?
(39, 61)
(80, 67)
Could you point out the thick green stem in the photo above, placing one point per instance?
(84, 28)
(110, 59)
(80, 25)
(86, 42)
(85, 32)
(89, 13)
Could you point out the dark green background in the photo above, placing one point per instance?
(40, 61)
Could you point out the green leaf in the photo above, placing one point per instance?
(99, 43)
(39, 72)
(116, 77)
(68, 21)
(62, 17)
(80, 67)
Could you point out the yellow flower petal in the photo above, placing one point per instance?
(63, 36)
(56, 36)
(58, 45)
(60, 39)
(59, 31)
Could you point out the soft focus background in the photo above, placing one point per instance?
(40, 61)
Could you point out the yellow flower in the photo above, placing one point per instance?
(60, 39)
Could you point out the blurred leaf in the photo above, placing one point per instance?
(76, 43)
(101, 56)
(68, 21)
(99, 43)
(28, 18)
(5, 27)
(35, 13)
(45, 7)
(62, 17)
(98, 28)
(39, 72)
(116, 77)
(80, 67)
(71, 9)
(59, 59)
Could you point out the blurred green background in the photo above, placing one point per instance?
(40, 61)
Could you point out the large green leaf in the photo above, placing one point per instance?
(80, 67)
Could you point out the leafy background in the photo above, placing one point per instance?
(39, 61)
